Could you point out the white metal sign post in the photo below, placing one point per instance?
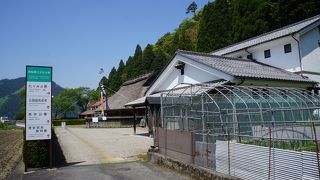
(38, 104)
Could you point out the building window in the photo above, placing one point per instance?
(267, 53)
(287, 48)
(249, 56)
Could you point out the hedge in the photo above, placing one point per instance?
(69, 122)
(35, 153)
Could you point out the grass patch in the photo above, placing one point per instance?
(7, 126)
(288, 145)
(143, 157)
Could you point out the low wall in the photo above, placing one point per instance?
(195, 172)
(176, 144)
(123, 123)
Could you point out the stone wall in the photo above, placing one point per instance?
(191, 170)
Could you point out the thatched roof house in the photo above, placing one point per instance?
(129, 91)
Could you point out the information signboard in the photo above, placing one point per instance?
(38, 102)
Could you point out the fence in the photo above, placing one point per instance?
(246, 132)
(272, 157)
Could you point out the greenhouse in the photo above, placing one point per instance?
(216, 112)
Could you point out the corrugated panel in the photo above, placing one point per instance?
(205, 154)
(252, 162)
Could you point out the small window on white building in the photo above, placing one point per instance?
(287, 48)
(267, 53)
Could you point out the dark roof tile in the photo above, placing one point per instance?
(243, 67)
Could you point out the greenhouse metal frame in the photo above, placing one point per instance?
(273, 117)
(215, 110)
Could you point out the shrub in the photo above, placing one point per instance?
(35, 153)
(6, 126)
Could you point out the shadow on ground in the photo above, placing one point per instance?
(143, 134)
(58, 158)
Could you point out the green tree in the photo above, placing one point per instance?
(137, 59)
(159, 61)
(69, 100)
(192, 8)
(22, 105)
(147, 57)
(215, 27)
(64, 103)
(250, 21)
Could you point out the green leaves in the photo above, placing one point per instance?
(219, 24)
(71, 99)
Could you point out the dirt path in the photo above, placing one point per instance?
(10, 150)
(95, 146)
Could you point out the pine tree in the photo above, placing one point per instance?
(137, 61)
(192, 8)
(159, 61)
(147, 57)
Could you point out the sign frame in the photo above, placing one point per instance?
(26, 97)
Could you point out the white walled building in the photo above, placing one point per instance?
(295, 48)
(285, 58)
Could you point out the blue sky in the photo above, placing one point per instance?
(77, 37)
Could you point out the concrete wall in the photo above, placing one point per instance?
(195, 172)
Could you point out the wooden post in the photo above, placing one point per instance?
(25, 158)
(50, 153)
(134, 120)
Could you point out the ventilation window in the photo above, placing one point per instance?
(182, 71)
(287, 48)
(267, 53)
(249, 56)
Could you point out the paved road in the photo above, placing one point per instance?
(91, 154)
(118, 171)
(82, 146)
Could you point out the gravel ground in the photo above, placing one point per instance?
(10, 150)
(83, 146)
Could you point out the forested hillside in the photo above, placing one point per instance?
(218, 24)
(10, 97)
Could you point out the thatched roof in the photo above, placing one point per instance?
(129, 91)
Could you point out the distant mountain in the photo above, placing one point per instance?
(9, 95)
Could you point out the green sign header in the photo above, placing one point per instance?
(39, 74)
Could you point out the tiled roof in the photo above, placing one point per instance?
(242, 67)
(88, 112)
(287, 30)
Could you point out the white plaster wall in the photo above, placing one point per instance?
(192, 75)
(313, 77)
(310, 51)
(171, 80)
(288, 61)
(195, 72)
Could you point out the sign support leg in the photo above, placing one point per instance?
(50, 153)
